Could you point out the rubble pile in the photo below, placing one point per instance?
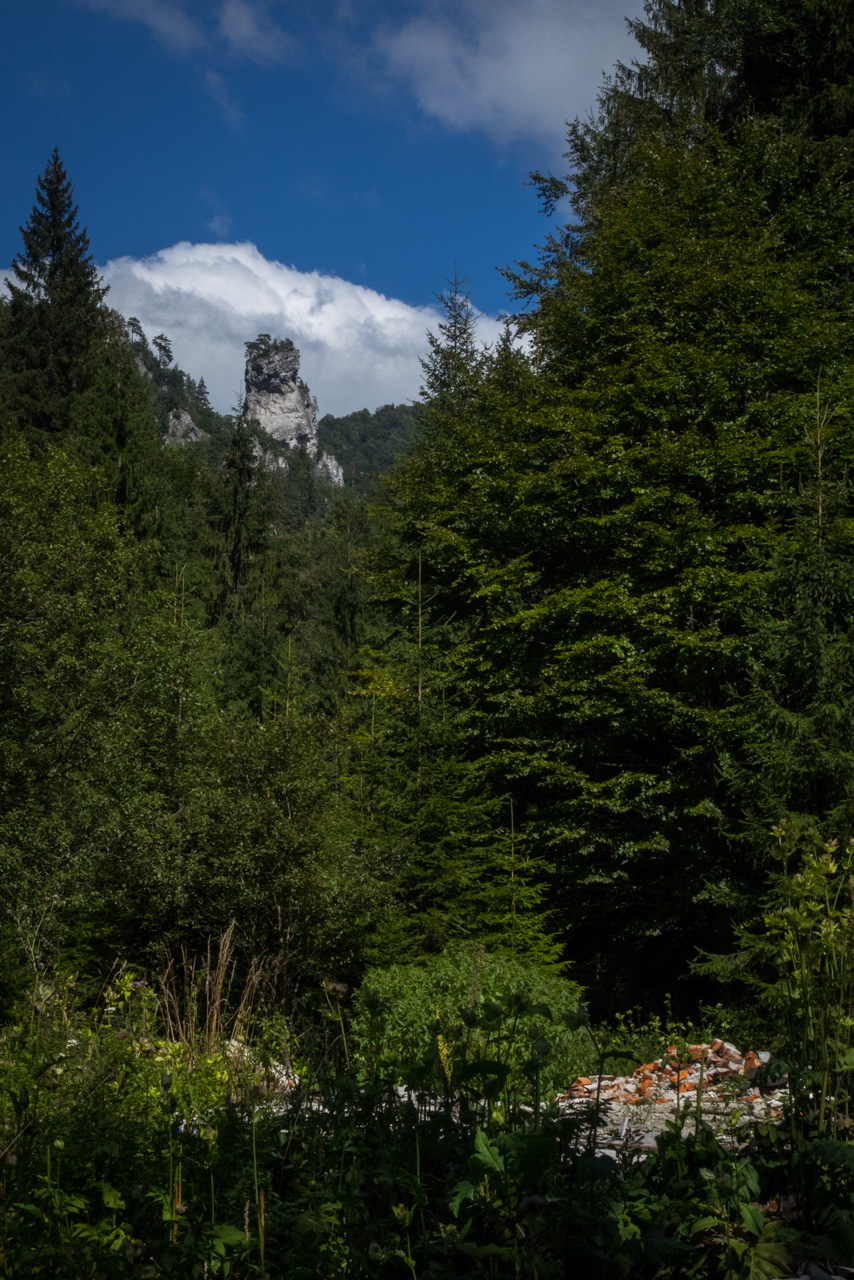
(714, 1080)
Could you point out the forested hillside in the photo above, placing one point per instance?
(543, 690)
(369, 444)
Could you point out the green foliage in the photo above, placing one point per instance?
(797, 761)
(367, 445)
(599, 518)
(485, 1007)
(797, 958)
(542, 699)
(264, 345)
(169, 389)
(55, 311)
(67, 376)
(455, 868)
(137, 813)
(455, 362)
(136, 1151)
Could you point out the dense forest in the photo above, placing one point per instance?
(555, 695)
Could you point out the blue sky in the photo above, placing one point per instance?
(320, 167)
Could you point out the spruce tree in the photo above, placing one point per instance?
(797, 764)
(452, 369)
(599, 525)
(56, 316)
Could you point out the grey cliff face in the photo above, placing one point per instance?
(329, 468)
(182, 430)
(278, 400)
(282, 405)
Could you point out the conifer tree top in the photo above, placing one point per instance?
(56, 263)
(265, 345)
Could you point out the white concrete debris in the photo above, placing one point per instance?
(713, 1081)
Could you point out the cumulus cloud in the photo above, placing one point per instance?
(164, 19)
(515, 71)
(249, 31)
(359, 348)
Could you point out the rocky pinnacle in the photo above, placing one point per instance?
(281, 404)
(277, 398)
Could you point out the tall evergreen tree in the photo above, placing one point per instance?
(455, 361)
(598, 526)
(797, 763)
(56, 316)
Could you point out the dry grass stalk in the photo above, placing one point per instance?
(196, 996)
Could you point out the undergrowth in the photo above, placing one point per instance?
(414, 1130)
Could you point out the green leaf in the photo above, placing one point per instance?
(752, 1218)
(488, 1154)
(462, 1191)
(486, 1068)
(575, 1019)
(704, 1224)
(229, 1235)
(112, 1198)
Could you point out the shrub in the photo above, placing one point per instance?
(479, 1006)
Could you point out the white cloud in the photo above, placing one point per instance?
(250, 32)
(218, 89)
(359, 348)
(244, 25)
(515, 71)
(167, 21)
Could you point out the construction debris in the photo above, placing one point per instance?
(714, 1081)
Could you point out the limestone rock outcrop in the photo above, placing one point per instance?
(281, 403)
(276, 397)
(180, 428)
(330, 469)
